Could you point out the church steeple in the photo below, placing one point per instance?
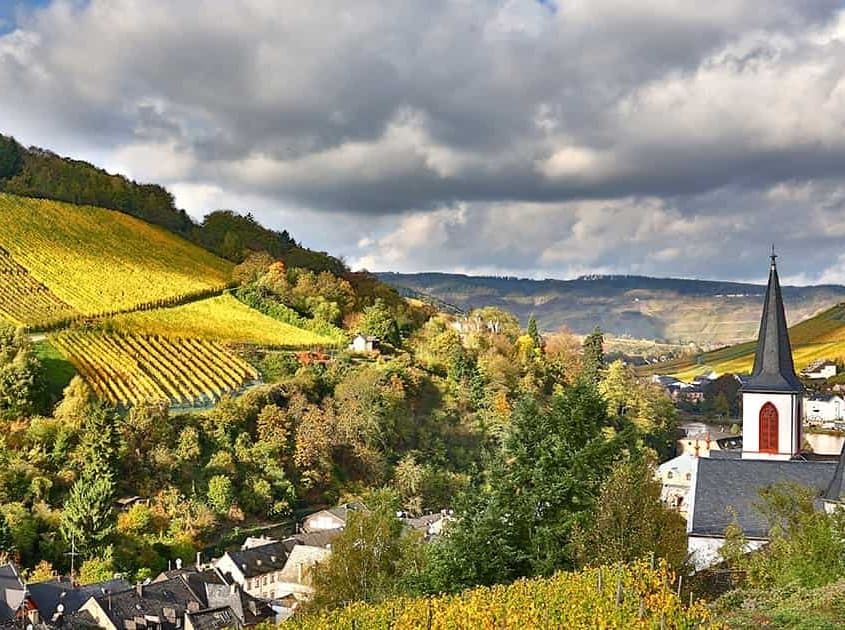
(773, 367)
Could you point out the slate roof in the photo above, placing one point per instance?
(320, 538)
(773, 367)
(12, 592)
(721, 484)
(260, 560)
(48, 595)
(215, 619)
(158, 599)
(248, 609)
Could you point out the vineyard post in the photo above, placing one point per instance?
(601, 581)
(430, 613)
(680, 584)
(619, 593)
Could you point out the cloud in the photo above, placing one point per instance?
(533, 137)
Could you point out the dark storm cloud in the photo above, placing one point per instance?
(544, 129)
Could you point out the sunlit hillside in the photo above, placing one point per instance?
(95, 260)
(819, 337)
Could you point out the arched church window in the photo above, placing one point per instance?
(769, 428)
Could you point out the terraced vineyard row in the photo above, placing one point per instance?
(24, 300)
(127, 369)
(101, 261)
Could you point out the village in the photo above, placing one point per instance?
(265, 580)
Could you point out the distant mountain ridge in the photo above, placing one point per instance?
(708, 312)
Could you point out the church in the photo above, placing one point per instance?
(729, 483)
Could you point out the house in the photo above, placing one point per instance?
(295, 577)
(160, 605)
(820, 409)
(431, 525)
(256, 569)
(213, 619)
(333, 518)
(701, 441)
(728, 488)
(819, 369)
(56, 599)
(204, 596)
(12, 593)
(676, 477)
(364, 343)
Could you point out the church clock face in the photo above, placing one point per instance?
(769, 428)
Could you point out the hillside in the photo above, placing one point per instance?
(675, 310)
(92, 260)
(821, 336)
(636, 597)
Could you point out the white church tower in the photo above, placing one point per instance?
(771, 399)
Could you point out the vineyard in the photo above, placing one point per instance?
(820, 337)
(99, 261)
(223, 318)
(627, 596)
(24, 300)
(127, 369)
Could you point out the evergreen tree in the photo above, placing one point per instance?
(88, 516)
(543, 484)
(7, 544)
(593, 365)
(533, 332)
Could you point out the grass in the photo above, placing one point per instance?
(820, 337)
(58, 371)
(222, 318)
(98, 260)
(821, 608)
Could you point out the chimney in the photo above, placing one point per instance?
(109, 596)
(139, 588)
(178, 564)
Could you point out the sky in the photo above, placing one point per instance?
(509, 137)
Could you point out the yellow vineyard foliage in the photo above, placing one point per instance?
(632, 596)
(24, 300)
(130, 369)
(820, 337)
(222, 318)
(98, 260)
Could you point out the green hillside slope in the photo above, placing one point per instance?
(98, 260)
(819, 337)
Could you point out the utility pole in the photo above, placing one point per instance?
(72, 553)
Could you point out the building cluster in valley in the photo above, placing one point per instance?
(265, 580)
(717, 478)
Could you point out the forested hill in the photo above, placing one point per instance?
(34, 172)
(677, 310)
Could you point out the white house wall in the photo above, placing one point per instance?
(704, 550)
(788, 419)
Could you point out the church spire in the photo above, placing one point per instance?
(773, 367)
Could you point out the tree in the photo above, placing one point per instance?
(220, 493)
(541, 486)
(98, 569)
(593, 362)
(631, 522)
(379, 321)
(7, 543)
(22, 383)
(88, 516)
(11, 157)
(370, 558)
(806, 546)
(533, 332)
